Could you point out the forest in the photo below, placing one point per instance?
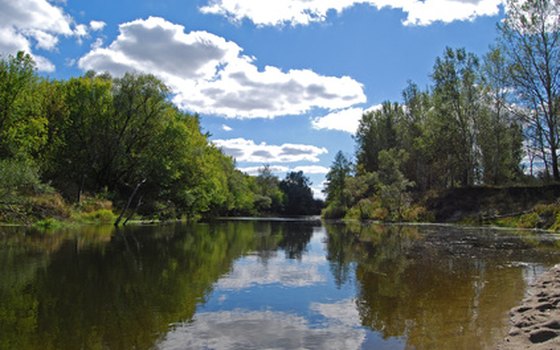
(76, 148)
(482, 122)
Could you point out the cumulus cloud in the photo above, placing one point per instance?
(96, 25)
(26, 25)
(241, 329)
(304, 12)
(346, 120)
(254, 170)
(226, 127)
(211, 75)
(312, 169)
(248, 151)
(252, 272)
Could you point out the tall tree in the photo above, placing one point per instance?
(530, 38)
(457, 99)
(377, 131)
(500, 136)
(340, 170)
(299, 197)
(22, 126)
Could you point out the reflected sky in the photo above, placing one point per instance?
(276, 285)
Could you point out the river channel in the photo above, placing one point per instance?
(266, 284)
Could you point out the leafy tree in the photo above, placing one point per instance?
(392, 185)
(336, 178)
(500, 135)
(530, 40)
(458, 103)
(376, 132)
(22, 127)
(299, 197)
(270, 197)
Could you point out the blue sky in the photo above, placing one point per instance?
(282, 82)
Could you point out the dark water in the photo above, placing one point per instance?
(264, 285)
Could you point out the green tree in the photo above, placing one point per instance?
(298, 194)
(22, 126)
(457, 99)
(377, 131)
(530, 40)
(270, 197)
(500, 135)
(392, 185)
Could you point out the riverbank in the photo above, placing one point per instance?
(536, 322)
(533, 207)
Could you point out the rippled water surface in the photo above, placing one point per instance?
(264, 284)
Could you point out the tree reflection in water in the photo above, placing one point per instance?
(440, 288)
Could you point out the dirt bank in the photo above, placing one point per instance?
(536, 322)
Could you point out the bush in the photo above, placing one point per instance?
(90, 204)
(47, 224)
(101, 216)
(19, 177)
(417, 213)
(334, 211)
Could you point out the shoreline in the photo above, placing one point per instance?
(535, 323)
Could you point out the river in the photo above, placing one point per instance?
(263, 284)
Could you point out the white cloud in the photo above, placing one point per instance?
(97, 43)
(304, 12)
(251, 272)
(312, 169)
(248, 151)
(346, 120)
(226, 127)
(344, 311)
(96, 25)
(26, 25)
(279, 169)
(318, 191)
(240, 329)
(210, 75)
(81, 30)
(254, 170)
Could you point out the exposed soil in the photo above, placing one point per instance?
(460, 203)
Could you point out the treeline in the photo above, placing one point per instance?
(490, 120)
(121, 139)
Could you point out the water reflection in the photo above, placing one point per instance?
(441, 288)
(242, 285)
(239, 329)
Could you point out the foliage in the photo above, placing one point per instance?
(530, 40)
(299, 197)
(100, 140)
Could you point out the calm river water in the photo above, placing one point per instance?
(264, 285)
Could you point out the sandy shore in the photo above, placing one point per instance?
(536, 322)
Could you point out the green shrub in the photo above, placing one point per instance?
(417, 213)
(48, 224)
(530, 220)
(334, 211)
(101, 216)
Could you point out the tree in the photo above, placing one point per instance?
(270, 197)
(22, 127)
(340, 170)
(299, 197)
(392, 185)
(500, 136)
(376, 132)
(530, 39)
(457, 99)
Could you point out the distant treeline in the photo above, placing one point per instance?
(121, 139)
(482, 121)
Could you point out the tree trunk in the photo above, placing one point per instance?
(117, 222)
